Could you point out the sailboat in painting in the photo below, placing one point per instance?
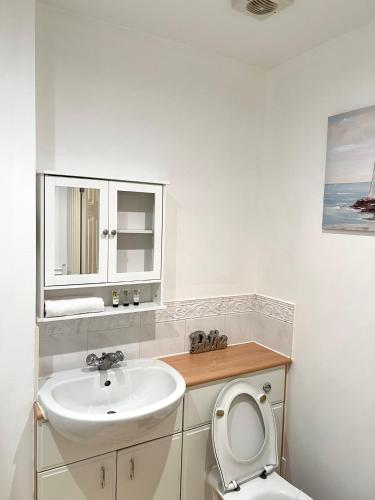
(372, 187)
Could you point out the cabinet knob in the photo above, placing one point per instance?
(105, 232)
(113, 232)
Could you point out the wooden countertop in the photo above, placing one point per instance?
(230, 362)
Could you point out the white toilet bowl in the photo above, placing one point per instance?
(244, 439)
(272, 488)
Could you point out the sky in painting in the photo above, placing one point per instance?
(351, 146)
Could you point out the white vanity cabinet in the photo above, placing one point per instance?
(93, 479)
(171, 463)
(150, 471)
(99, 231)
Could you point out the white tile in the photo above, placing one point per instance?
(277, 335)
(206, 324)
(161, 339)
(148, 317)
(63, 327)
(123, 339)
(62, 352)
(101, 324)
(240, 327)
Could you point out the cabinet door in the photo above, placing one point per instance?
(93, 479)
(150, 471)
(76, 220)
(197, 460)
(135, 224)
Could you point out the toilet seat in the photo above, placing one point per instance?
(244, 434)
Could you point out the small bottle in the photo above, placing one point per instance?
(136, 297)
(115, 298)
(126, 298)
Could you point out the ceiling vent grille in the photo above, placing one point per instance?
(260, 9)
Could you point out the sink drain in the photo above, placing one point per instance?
(110, 412)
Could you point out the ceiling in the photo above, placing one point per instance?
(214, 26)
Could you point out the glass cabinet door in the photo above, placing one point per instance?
(135, 231)
(76, 230)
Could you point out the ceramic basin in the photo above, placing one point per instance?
(101, 407)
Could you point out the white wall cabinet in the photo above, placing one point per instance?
(93, 479)
(99, 231)
(150, 471)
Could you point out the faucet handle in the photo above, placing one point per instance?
(120, 355)
(91, 359)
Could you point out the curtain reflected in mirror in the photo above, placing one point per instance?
(77, 230)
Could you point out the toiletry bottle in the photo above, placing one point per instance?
(126, 298)
(136, 294)
(115, 298)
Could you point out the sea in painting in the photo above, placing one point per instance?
(338, 212)
(349, 195)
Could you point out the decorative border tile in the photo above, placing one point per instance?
(189, 309)
(274, 308)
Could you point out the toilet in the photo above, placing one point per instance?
(244, 439)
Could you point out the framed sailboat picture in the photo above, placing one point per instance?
(349, 194)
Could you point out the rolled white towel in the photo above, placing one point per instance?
(69, 307)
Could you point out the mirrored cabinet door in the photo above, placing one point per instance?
(76, 230)
(135, 231)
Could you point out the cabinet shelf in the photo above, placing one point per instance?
(135, 231)
(108, 311)
(97, 285)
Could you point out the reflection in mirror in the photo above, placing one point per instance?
(77, 230)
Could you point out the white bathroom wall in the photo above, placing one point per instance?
(17, 249)
(331, 401)
(115, 102)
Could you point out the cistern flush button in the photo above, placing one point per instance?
(267, 387)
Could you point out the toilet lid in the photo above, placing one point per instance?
(244, 433)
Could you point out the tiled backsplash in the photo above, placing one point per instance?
(243, 318)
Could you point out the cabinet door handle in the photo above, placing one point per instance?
(132, 469)
(102, 477)
(105, 232)
(113, 232)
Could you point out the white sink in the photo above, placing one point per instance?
(141, 393)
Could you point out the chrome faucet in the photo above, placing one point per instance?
(106, 360)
